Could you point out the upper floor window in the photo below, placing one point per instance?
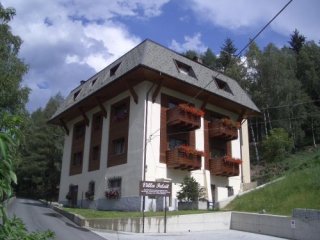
(222, 85)
(79, 130)
(77, 158)
(120, 112)
(119, 146)
(185, 69)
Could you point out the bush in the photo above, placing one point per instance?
(277, 146)
(14, 229)
(190, 190)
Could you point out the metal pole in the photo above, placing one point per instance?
(165, 214)
(143, 205)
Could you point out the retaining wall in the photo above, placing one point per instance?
(279, 226)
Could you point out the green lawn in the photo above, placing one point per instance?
(299, 189)
(90, 213)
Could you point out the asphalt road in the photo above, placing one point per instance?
(38, 217)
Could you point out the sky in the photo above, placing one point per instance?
(66, 41)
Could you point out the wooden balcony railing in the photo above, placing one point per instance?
(224, 166)
(184, 158)
(223, 128)
(184, 116)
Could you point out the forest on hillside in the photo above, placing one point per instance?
(283, 82)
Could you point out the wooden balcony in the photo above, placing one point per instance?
(224, 166)
(178, 158)
(185, 117)
(223, 129)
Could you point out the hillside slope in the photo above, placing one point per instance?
(299, 189)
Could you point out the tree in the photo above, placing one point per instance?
(277, 146)
(13, 97)
(226, 58)
(42, 154)
(209, 59)
(191, 54)
(296, 41)
(190, 190)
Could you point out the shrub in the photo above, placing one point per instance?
(190, 190)
(277, 146)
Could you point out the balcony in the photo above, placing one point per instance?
(224, 129)
(224, 166)
(184, 158)
(185, 117)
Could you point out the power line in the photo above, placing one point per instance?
(251, 41)
(247, 45)
(291, 105)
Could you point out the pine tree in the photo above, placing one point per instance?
(296, 41)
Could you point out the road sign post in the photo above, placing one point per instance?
(151, 188)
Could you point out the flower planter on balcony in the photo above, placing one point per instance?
(224, 166)
(184, 158)
(224, 128)
(184, 116)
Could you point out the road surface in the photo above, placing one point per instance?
(38, 217)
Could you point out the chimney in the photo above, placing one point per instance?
(82, 82)
(197, 59)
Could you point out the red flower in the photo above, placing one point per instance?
(189, 109)
(229, 159)
(190, 150)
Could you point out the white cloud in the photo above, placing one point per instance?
(244, 15)
(65, 41)
(190, 43)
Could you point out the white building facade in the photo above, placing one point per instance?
(147, 117)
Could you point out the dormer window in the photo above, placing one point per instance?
(222, 85)
(93, 81)
(114, 69)
(185, 69)
(75, 95)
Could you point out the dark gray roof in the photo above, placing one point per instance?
(162, 59)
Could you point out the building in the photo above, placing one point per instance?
(153, 114)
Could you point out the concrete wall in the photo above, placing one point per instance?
(181, 223)
(279, 226)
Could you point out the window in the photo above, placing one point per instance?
(93, 81)
(114, 69)
(114, 182)
(97, 122)
(118, 146)
(185, 69)
(222, 85)
(91, 187)
(77, 159)
(75, 95)
(174, 142)
(79, 130)
(96, 153)
(120, 112)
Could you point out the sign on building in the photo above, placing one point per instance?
(150, 188)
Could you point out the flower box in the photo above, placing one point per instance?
(224, 129)
(112, 194)
(185, 117)
(184, 158)
(224, 166)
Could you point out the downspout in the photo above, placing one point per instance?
(145, 150)
(241, 143)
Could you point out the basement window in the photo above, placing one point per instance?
(114, 69)
(222, 85)
(185, 69)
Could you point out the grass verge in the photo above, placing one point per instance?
(91, 213)
(299, 189)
